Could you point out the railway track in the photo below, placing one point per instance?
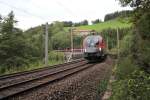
(22, 84)
(36, 70)
(11, 78)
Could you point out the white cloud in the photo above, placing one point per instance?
(31, 13)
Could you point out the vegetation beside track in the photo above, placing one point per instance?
(132, 71)
(54, 58)
(132, 79)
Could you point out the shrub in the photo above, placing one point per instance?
(57, 56)
(124, 68)
(135, 87)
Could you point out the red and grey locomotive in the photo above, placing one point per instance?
(94, 48)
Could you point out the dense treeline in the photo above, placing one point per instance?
(126, 13)
(14, 50)
(84, 22)
(19, 49)
(96, 21)
(132, 71)
(70, 23)
(58, 37)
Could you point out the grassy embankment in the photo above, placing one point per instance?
(54, 58)
(113, 24)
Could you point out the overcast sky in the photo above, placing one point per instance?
(31, 13)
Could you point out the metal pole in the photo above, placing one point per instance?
(118, 43)
(46, 44)
(71, 39)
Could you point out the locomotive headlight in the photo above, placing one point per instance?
(100, 49)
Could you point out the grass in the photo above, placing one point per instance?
(116, 23)
(54, 58)
(37, 65)
(102, 87)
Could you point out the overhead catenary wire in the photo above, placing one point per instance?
(22, 10)
(71, 33)
(46, 29)
(37, 16)
(65, 8)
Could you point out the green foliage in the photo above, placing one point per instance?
(82, 23)
(141, 45)
(14, 51)
(111, 35)
(144, 21)
(119, 90)
(56, 56)
(124, 68)
(56, 27)
(60, 40)
(67, 23)
(136, 3)
(113, 24)
(77, 41)
(126, 13)
(126, 44)
(132, 83)
(96, 21)
(35, 37)
(135, 87)
(102, 87)
(140, 51)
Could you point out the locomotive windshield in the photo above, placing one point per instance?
(92, 40)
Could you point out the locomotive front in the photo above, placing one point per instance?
(94, 47)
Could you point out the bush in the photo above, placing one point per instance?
(56, 56)
(111, 35)
(132, 82)
(125, 45)
(135, 87)
(102, 86)
(125, 67)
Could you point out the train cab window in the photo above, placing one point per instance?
(92, 40)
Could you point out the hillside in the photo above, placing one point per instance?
(116, 23)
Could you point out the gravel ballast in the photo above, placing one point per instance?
(79, 86)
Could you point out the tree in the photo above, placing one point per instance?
(14, 51)
(84, 22)
(126, 13)
(60, 40)
(96, 21)
(140, 48)
(68, 23)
